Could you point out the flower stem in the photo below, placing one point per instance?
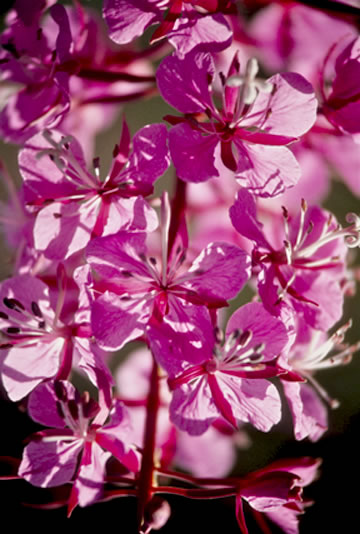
(145, 483)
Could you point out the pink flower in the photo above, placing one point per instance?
(75, 204)
(43, 339)
(230, 382)
(188, 24)
(275, 491)
(248, 135)
(292, 36)
(305, 265)
(341, 104)
(136, 289)
(211, 454)
(313, 351)
(63, 71)
(77, 445)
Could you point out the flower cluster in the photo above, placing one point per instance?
(103, 259)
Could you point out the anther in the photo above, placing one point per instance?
(245, 338)
(59, 410)
(13, 330)
(73, 409)
(36, 310)
(13, 304)
(60, 391)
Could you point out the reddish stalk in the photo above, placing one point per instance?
(147, 471)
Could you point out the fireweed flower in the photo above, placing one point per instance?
(231, 380)
(276, 492)
(341, 96)
(74, 204)
(296, 37)
(305, 265)
(78, 444)
(211, 454)
(41, 340)
(186, 23)
(248, 135)
(135, 288)
(313, 351)
(64, 69)
(28, 59)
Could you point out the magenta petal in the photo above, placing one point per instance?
(64, 38)
(309, 413)
(211, 454)
(90, 477)
(42, 404)
(129, 19)
(210, 32)
(192, 408)
(221, 270)
(264, 327)
(115, 321)
(50, 464)
(286, 518)
(243, 217)
(254, 401)
(328, 295)
(91, 359)
(184, 83)
(114, 437)
(186, 333)
(113, 255)
(293, 105)
(42, 178)
(150, 155)
(266, 170)
(193, 154)
(62, 229)
(32, 110)
(26, 367)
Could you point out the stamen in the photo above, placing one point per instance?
(300, 234)
(13, 304)
(165, 226)
(36, 310)
(13, 330)
(60, 391)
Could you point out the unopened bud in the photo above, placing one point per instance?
(156, 514)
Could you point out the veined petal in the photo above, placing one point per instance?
(129, 19)
(115, 321)
(293, 105)
(192, 408)
(266, 171)
(90, 477)
(150, 155)
(221, 270)
(184, 83)
(26, 367)
(62, 229)
(254, 401)
(243, 217)
(210, 31)
(49, 464)
(308, 412)
(193, 154)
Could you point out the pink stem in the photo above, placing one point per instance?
(145, 482)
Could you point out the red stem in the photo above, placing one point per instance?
(145, 482)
